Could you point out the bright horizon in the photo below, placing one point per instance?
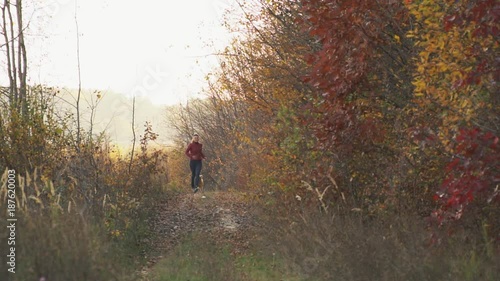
(154, 49)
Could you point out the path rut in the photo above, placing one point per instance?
(227, 218)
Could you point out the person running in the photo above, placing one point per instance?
(195, 154)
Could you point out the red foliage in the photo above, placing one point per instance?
(346, 31)
(484, 13)
(349, 34)
(473, 174)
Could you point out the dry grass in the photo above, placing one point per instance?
(65, 247)
(352, 247)
(59, 238)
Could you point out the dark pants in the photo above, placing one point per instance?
(195, 166)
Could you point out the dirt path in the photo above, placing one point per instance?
(224, 217)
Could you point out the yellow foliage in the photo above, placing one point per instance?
(444, 60)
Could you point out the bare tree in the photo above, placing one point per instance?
(134, 139)
(78, 128)
(17, 63)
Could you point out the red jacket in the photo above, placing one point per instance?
(194, 151)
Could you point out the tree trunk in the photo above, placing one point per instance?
(15, 52)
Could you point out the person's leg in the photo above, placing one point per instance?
(192, 165)
(197, 173)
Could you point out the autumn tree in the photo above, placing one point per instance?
(31, 131)
(362, 71)
(263, 70)
(456, 86)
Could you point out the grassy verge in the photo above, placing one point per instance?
(392, 247)
(197, 259)
(68, 246)
(70, 249)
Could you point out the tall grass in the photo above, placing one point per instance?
(387, 247)
(64, 247)
(70, 230)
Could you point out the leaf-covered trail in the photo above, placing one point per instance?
(225, 218)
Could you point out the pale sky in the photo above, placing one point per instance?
(148, 47)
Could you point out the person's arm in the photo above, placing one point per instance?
(201, 152)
